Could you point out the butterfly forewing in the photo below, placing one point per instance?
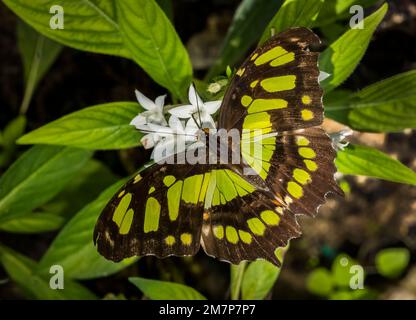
(158, 212)
(276, 88)
(275, 100)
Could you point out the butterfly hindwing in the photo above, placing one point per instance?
(247, 228)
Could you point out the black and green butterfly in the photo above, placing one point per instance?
(173, 209)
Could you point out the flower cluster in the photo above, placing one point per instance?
(180, 131)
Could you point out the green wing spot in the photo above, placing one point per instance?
(270, 217)
(260, 105)
(301, 176)
(258, 120)
(294, 189)
(205, 183)
(174, 200)
(126, 223)
(245, 236)
(256, 226)
(151, 190)
(311, 165)
(169, 180)
(307, 153)
(280, 83)
(231, 234)
(218, 232)
(121, 209)
(289, 57)
(191, 188)
(211, 190)
(186, 238)
(270, 55)
(226, 185)
(246, 100)
(170, 240)
(152, 215)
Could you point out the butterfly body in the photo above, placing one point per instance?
(242, 206)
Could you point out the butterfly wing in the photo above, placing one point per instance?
(248, 227)
(275, 101)
(276, 88)
(158, 212)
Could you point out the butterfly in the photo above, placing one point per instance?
(174, 209)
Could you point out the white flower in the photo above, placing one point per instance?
(338, 139)
(154, 113)
(201, 112)
(173, 139)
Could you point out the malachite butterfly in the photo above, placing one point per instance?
(173, 209)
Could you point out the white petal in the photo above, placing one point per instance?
(160, 130)
(207, 121)
(156, 117)
(175, 124)
(183, 112)
(191, 126)
(212, 106)
(144, 101)
(138, 120)
(160, 101)
(323, 75)
(194, 99)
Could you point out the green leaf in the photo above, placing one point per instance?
(11, 133)
(237, 272)
(334, 10)
(258, 280)
(250, 19)
(385, 106)
(341, 57)
(320, 282)
(136, 29)
(392, 262)
(163, 290)
(38, 54)
(366, 161)
(260, 277)
(36, 177)
(155, 45)
(20, 269)
(87, 185)
(167, 7)
(101, 127)
(341, 267)
(293, 13)
(73, 248)
(89, 25)
(35, 222)
(348, 294)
